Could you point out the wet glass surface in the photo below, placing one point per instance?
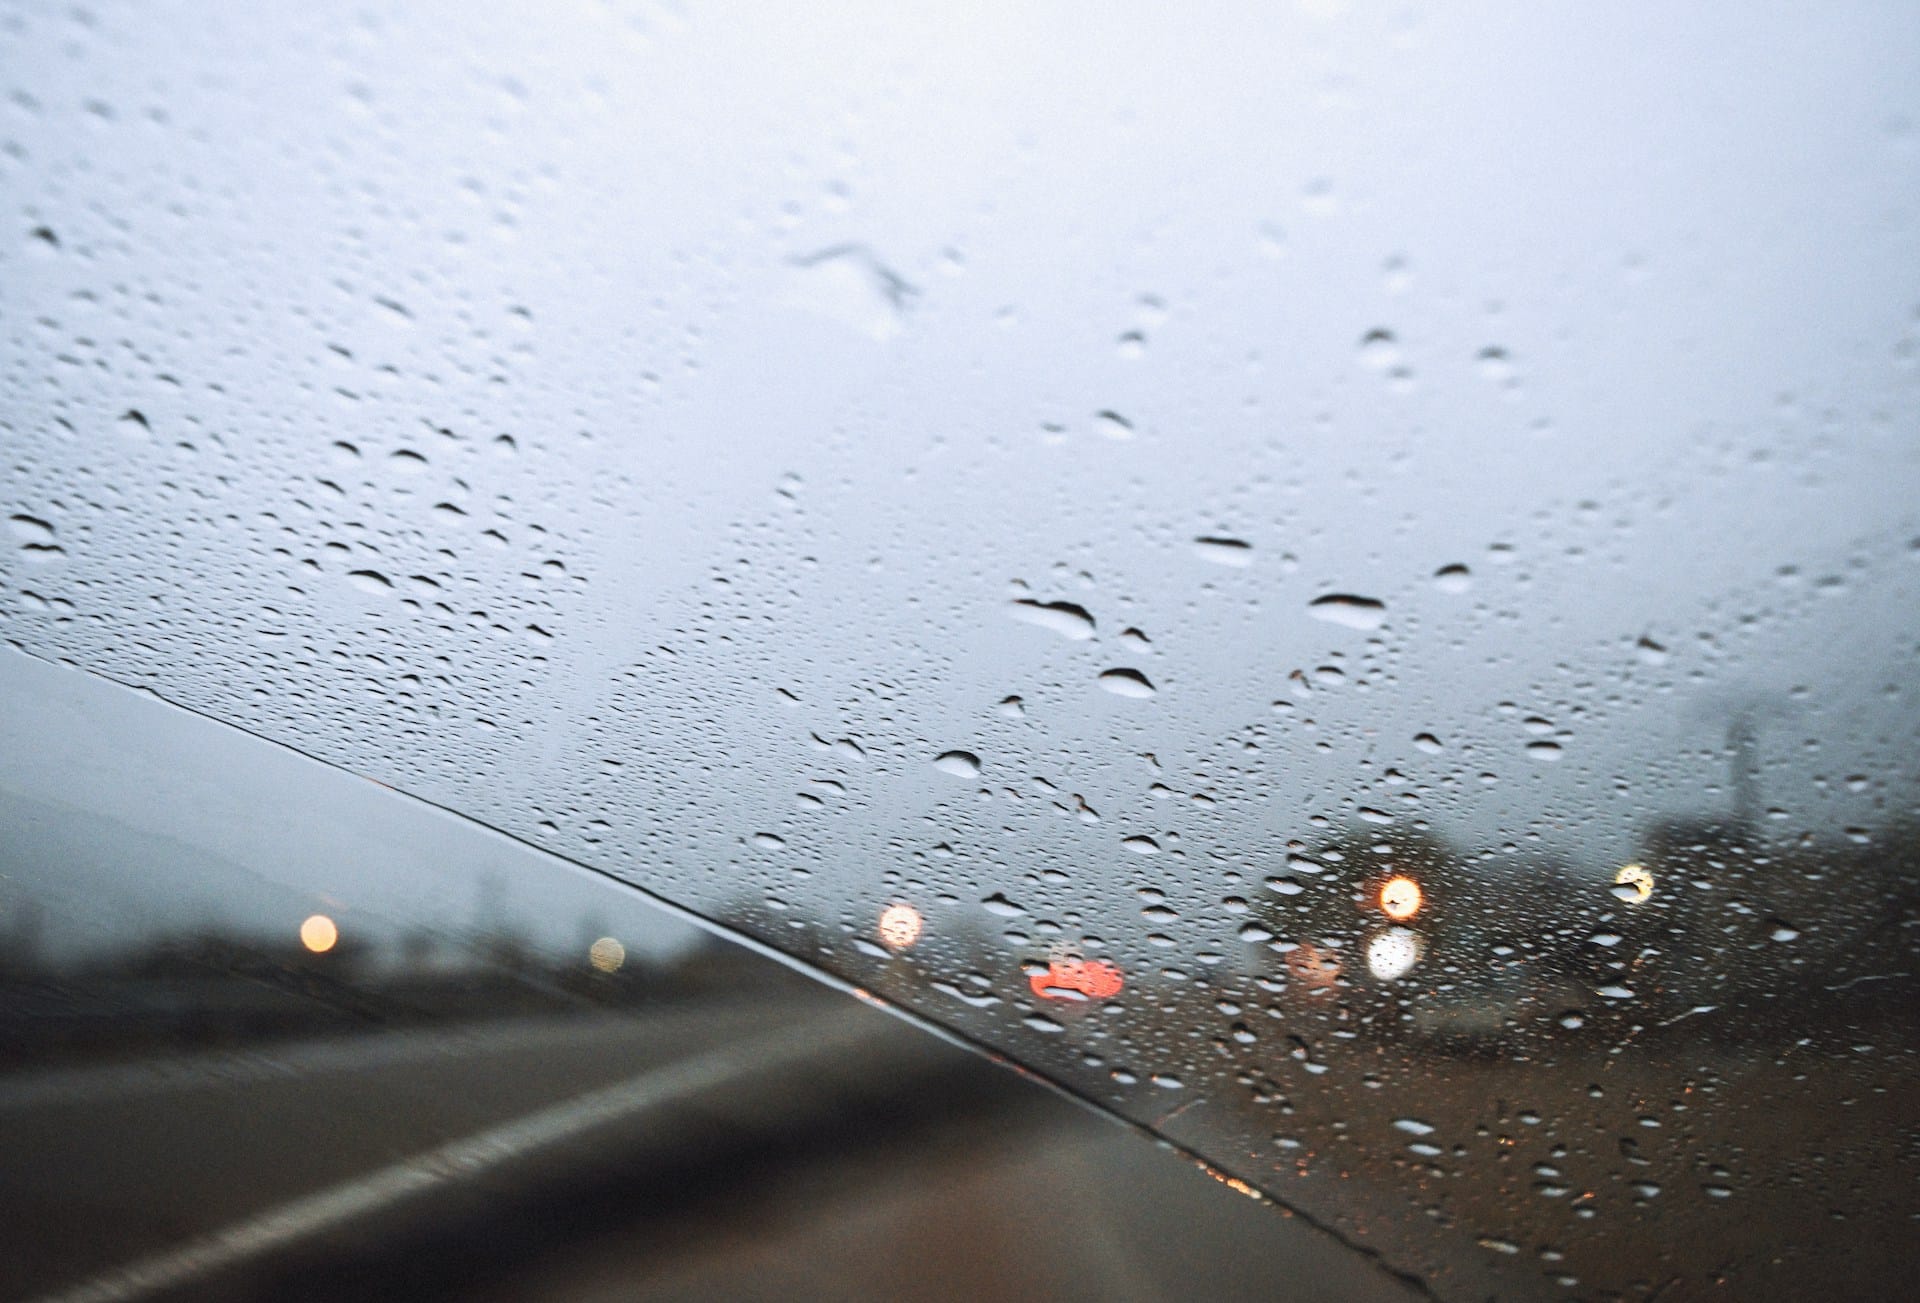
(1343, 585)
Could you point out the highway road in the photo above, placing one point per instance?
(799, 1145)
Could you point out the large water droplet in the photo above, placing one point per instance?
(1063, 618)
(31, 529)
(1224, 551)
(961, 764)
(1348, 610)
(1126, 683)
(848, 284)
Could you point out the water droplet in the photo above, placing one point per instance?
(1126, 683)
(1064, 618)
(1224, 551)
(1428, 743)
(1616, 992)
(1453, 579)
(1380, 350)
(1783, 931)
(1141, 845)
(1012, 707)
(848, 284)
(31, 529)
(999, 904)
(370, 581)
(1112, 425)
(961, 764)
(1413, 1126)
(1349, 611)
(1547, 752)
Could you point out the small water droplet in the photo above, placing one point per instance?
(1141, 845)
(1380, 350)
(1453, 579)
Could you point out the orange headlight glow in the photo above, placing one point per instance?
(1400, 898)
(900, 925)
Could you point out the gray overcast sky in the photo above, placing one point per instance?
(485, 419)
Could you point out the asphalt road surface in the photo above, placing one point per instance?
(798, 1146)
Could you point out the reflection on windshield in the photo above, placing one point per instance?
(1340, 583)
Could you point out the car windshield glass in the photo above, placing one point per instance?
(1342, 584)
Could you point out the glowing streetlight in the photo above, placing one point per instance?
(1392, 954)
(1400, 898)
(900, 925)
(606, 955)
(1633, 883)
(319, 934)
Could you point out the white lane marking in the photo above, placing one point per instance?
(457, 1160)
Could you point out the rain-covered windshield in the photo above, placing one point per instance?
(1343, 583)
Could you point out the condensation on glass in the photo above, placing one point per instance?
(1343, 584)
